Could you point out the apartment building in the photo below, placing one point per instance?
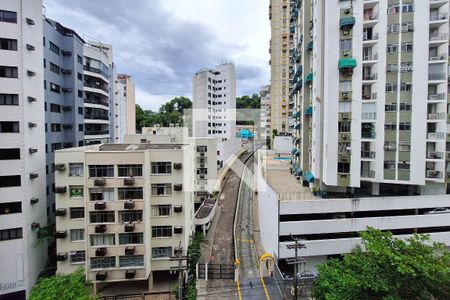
(124, 107)
(280, 48)
(22, 147)
(265, 116)
(123, 210)
(370, 96)
(207, 163)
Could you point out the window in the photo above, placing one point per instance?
(131, 261)
(55, 107)
(55, 127)
(103, 239)
(76, 191)
(77, 257)
(77, 212)
(161, 189)
(9, 72)
(161, 210)
(76, 169)
(130, 193)
(54, 68)
(10, 181)
(55, 88)
(10, 208)
(56, 146)
(54, 48)
(76, 235)
(10, 234)
(161, 231)
(131, 238)
(101, 171)
(103, 262)
(8, 16)
(9, 99)
(161, 167)
(161, 252)
(102, 217)
(9, 153)
(8, 44)
(130, 170)
(130, 216)
(105, 194)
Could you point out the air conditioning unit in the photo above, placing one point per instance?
(60, 167)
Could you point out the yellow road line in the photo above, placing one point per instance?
(238, 285)
(265, 288)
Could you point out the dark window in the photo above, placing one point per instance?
(54, 68)
(9, 181)
(56, 127)
(8, 16)
(9, 99)
(9, 153)
(80, 127)
(8, 44)
(10, 208)
(55, 108)
(10, 234)
(55, 88)
(9, 72)
(54, 48)
(9, 126)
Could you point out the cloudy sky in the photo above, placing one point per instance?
(162, 43)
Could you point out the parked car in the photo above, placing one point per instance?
(439, 210)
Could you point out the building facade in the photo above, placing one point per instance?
(124, 107)
(123, 210)
(370, 94)
(280, 47)
(22, 147)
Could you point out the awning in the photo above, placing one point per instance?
(347, 63)
(309, 177)
(309, 77)
(310, 46)
(309, 111)
(347, 22)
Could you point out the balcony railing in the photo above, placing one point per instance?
(436, 135)
(437, 76)
(368, 154)
(437, 116)
(439, 96)
(438, 16)
(438, 36)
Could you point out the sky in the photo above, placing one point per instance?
(162, 43)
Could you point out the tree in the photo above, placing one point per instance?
(387, 268)
(65, 287)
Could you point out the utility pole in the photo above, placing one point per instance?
(296, 260)
(179, 268)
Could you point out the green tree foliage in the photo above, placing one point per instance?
(389, 268)
(169, 113)
(63, 287)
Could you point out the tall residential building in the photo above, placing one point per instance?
(265, 115)
(123, 210)
(79, 84)
(280, 45)
(124, 107)
(22, 147)
(214, 102)
(370, 92)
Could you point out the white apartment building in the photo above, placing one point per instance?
(266, 113)
(207, 163)
(123, 210)
(370, 95)
(22, 147)
(124, 107)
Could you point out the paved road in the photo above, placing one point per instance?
(252, 286)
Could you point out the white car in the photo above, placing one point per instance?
(440, 210)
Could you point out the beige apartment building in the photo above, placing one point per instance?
(123, 210)
(280, 44)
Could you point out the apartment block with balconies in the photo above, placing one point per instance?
(123, 210)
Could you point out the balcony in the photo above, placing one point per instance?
(436, 97)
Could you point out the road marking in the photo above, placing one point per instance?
(238, 285)
(265, 288)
